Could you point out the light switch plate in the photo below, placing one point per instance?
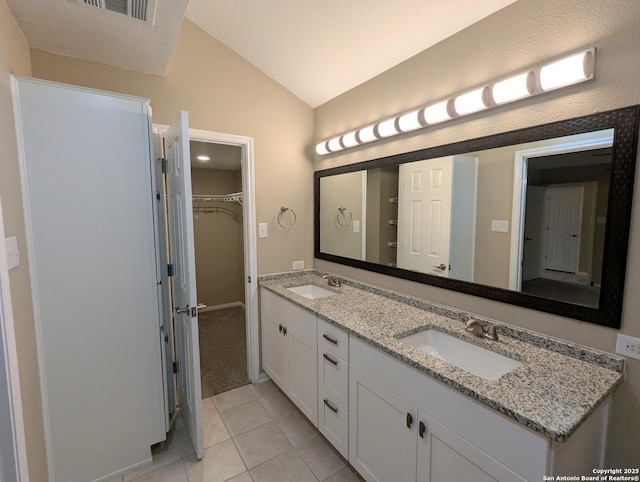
(628, 346)
(262, 230)
(500, 226)
(13, 255)
(356, 226)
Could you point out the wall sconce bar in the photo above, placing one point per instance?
(568, 70)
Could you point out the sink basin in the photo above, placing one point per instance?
(471, 358)
(312, 292)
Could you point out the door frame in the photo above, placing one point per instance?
(9, 353)
(246, 145)
(575, 143)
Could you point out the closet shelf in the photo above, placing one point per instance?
(227, 198)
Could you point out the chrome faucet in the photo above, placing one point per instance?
(332, 280)
(475, 328)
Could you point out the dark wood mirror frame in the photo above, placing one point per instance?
(625, 121)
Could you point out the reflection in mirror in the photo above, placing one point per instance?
(530, 218)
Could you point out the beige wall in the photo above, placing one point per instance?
(224, 93)
(15, 58)
(219, 239)
(522, 34)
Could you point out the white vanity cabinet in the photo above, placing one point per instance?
(333, 385)
(405, 423)
(289, 351)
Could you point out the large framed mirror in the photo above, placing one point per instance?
(537, 217)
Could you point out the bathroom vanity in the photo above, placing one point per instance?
(348, 357)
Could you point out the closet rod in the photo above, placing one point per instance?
(227, 198)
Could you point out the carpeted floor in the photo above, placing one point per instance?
(561, 291)
(223, 350)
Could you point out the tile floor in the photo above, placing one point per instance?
(251, 433)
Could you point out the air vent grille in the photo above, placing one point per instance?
(131, 8)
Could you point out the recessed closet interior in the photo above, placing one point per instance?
(216, 177)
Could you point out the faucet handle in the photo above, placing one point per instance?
(492, 331)
(474, 327)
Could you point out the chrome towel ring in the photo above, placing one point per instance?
(292, 223)
(346, 219)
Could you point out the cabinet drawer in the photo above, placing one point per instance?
(333, 423)
(291, 314)
(333, 376)
(333, 338)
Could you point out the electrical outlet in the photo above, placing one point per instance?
(298, 265)
(628, 346)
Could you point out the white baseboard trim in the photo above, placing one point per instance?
(223, 306)
(263, 377)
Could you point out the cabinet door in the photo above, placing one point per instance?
(303, 373)
(444, 456)
(275, 352)
(382, 431)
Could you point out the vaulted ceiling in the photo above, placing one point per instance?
(316, 49)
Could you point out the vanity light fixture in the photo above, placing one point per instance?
(548, 76)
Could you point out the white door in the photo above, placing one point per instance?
(533, 233)
(564, 221)
(424, 216)
(184, 279)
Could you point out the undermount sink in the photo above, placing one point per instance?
(467, 356)
(312, 292)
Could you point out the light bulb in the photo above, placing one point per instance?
(387, 128)
(367, 134)
(350, 139)
(470, 102)
(334, 144)
(437, 113)
(511, 89)
(567, 71)
(410, 121)
(321, 149)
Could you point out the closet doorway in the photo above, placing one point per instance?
(216, 182)
(237, 213)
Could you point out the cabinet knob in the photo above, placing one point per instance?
(280, 328)
(284, 330)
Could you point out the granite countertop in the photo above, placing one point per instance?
(557, 387)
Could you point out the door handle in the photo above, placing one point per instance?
(179, 310)
(329, 339)
(441, 267)
(201, 306)
(331, 407)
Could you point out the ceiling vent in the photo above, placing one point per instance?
(138, 9)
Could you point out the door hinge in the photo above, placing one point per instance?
(175, 367)
(158, 196)
(249, 279)
(170, 270)
(163, 163)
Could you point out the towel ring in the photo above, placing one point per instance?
(347, 220)
(283, 210)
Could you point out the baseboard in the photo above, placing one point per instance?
(263, 377)
(223, 306)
